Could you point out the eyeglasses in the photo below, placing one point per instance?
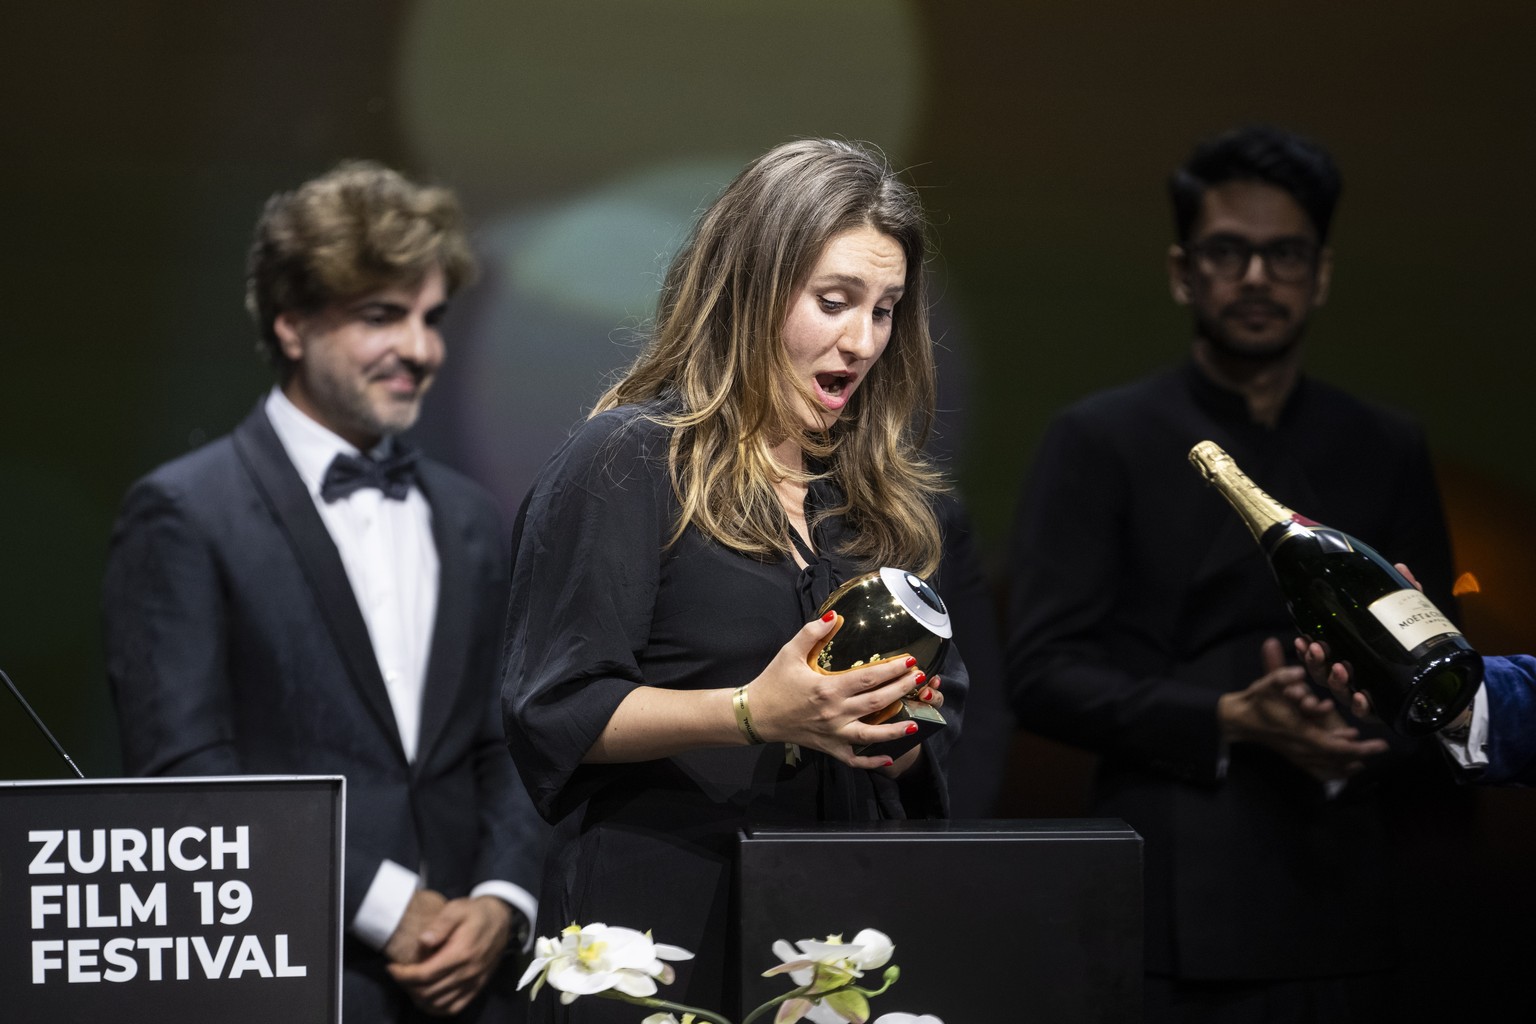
(1287, 260)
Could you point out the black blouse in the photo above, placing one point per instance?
(602, 604)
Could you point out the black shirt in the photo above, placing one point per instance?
(1138, 598)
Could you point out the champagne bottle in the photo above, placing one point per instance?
(1418, 669)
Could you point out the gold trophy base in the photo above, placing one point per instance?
(928, 720)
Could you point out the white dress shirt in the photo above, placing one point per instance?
(1470, 751)
(391, 561)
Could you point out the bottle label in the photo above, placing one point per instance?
(1410, 617)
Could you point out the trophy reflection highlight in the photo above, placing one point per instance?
(884, 615)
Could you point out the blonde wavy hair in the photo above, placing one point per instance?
(715, 359)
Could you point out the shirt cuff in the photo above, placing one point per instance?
(1470, 752)
(514, 896)
(384, 904)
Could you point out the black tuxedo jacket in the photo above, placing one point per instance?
(235, 646)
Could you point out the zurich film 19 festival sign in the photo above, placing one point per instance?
(171, 900)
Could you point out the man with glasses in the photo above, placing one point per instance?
(1145, 625)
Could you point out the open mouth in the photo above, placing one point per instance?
(835, 388)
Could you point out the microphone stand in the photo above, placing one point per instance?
(39, 723)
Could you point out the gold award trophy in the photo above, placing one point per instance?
(885, 615)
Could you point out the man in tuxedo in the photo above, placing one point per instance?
(1145, 625)
(308, 595)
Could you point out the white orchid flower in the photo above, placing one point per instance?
(827, 966)
(907, 1018)
(586, 960)
(868, 950)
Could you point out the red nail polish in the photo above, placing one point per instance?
(927, 694)
(919, 680)
(889, 762)
(911, 663)
(911, 728)
(829, 616)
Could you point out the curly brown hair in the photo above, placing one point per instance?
(355, 229)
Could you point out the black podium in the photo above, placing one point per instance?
(993, 920)
(172, 900)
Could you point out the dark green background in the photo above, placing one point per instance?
(141, 137)
(138, 139)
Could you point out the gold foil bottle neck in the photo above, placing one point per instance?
(1257, 509)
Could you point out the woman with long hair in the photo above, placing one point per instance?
(765, 446)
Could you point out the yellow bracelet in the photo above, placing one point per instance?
(744, 716)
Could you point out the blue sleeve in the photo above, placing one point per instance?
(1509, 683)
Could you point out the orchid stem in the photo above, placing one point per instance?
(701, 1016)
(770, 1004)
(806, 990)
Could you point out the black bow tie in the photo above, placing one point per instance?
(348, 473)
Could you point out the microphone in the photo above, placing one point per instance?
(39, 723)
